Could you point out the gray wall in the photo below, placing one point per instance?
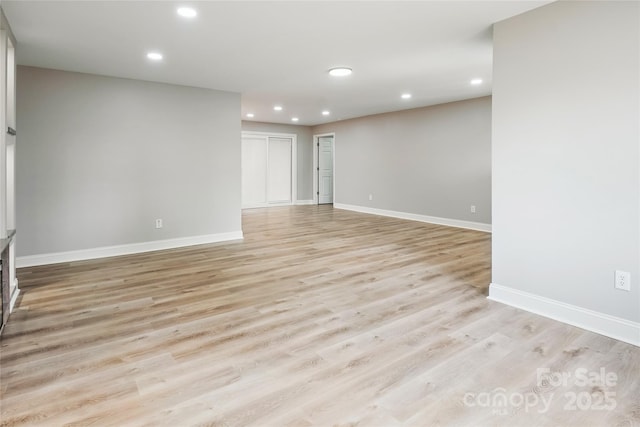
(99, 158)
(305, 151)
(433, 161)
(565, 154)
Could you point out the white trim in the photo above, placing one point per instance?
(305, 202)
(478, 226)
(134, 248)
(315, 169)
(594, 321)
(316, 141)
(294, 170)
(3, 126)
(14, 296)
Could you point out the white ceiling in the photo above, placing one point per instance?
(276, 52)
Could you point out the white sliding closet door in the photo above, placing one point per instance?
(254, 171)
(267, 170)
(279, 171)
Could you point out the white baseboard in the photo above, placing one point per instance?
(266, 205)
(603, 324)
(271, 205)
(479, 226)
(14, 296)
(134, 248)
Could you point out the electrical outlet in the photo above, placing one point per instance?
(159, 223)
(473, 208)
(623, 280)
(370, 196)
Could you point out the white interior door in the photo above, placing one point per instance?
(254, 171)
(325, 169)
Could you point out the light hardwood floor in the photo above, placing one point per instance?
(319, 317)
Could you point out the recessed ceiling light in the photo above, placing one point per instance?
(294, 119)
(250, 115)
(187, 12)
(154, 56)
(406, 96)
(277, 107)
(476, 81)
(325, 113)
(340, 71)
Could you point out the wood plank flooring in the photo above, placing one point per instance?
(319, 317)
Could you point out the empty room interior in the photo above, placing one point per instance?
(320, 213)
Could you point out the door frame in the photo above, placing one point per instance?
(294, 163)
(316, 142)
